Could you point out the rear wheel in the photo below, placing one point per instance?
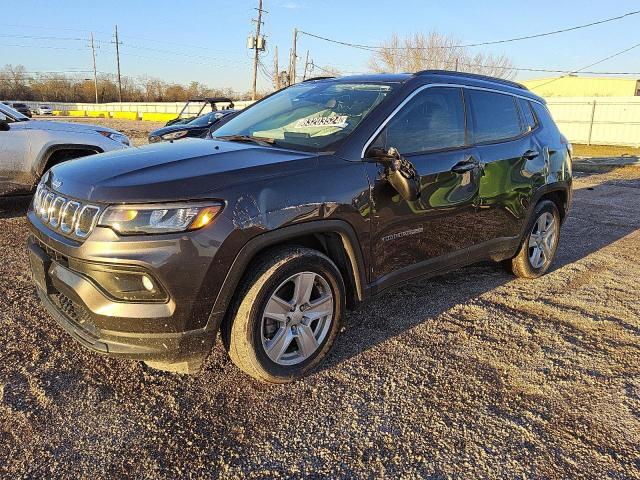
(287, 315)
(539, 247)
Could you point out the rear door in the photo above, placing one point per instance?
(511, 160)
(411, 236)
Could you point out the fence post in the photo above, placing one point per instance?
(593, 114)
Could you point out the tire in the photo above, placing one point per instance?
(275, 345)
(524, 264)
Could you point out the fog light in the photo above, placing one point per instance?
(122, 283)
(148, 283)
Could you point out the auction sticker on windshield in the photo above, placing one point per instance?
(332, 121)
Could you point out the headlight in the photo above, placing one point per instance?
(116, 137)
(167, 218)
(175, 135)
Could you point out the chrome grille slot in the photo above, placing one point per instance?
(86, 220)
(56, 210)
(70, 217)
(46, 205)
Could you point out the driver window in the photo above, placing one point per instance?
(432, 120)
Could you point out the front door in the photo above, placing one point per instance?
(410, 237)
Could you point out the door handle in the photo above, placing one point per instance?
(465, 165)
(530, 154)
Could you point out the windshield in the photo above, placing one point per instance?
(13, 115)
(308, 116)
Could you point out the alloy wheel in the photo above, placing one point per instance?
(297, 318)
(542, 241)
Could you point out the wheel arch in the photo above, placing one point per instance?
(334, 238)
(44, 162)
(558, 193)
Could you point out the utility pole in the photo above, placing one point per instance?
(118, 43)
(95, 73)
(276, 69)
(456, 64)
(306, 64)
(258, 45)
(292, 63)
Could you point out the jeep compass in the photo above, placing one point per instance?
(304, 204)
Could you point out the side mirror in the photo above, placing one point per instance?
(4, 126)
(399, 172)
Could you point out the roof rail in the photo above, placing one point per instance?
(473, 75)
(318, 78)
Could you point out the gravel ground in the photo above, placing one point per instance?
(470, 375)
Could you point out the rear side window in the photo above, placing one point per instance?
(494, 116)
(544, 117)
(432, 120)
(527, 115)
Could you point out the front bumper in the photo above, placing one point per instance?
(177, 331)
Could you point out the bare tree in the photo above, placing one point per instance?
(436, 51)
(18, 84)
(15, 82)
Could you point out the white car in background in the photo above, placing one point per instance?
(28, 148)
(44, 110)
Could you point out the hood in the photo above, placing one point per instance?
(65, 126)
(190, 169)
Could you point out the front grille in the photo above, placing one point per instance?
(70, 217)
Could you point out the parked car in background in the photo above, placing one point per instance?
(305, 203)
(44, 110)
(212, 102)
(198, 127)
(28, 147)
(20, 107)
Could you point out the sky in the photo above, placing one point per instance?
(184, 40)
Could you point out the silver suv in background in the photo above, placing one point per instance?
(28, 148)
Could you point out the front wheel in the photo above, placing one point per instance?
(539, 247)
(286, 316)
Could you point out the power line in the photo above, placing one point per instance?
(146, 39)
(39, 46)
(523, 69)
(478, 44)
(590, 65)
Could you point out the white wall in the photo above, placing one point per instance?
(598, 120)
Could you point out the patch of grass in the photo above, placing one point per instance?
(581, 150)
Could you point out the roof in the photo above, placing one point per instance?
(444, 76)
(473, 76)
(376, 77)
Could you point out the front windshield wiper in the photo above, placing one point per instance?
(248, 139)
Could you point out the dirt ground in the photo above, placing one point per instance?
(470, 375)
(137, 131)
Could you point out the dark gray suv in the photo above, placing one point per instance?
(304, 204)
